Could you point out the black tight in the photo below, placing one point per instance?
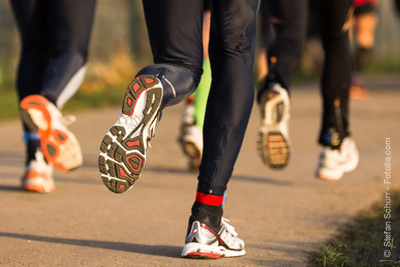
(175, 31)
(55, 37)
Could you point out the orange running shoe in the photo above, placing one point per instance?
(123, 149)
(38, 176)
(60, 146)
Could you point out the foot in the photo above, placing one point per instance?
(273, 141)
(191, 141)
(60, 146)
(38, 176)
(191, 137)
(204, 242)
(334, 163)
(123, 149)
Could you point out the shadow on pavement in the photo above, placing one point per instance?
(9, 188)
(165, 251)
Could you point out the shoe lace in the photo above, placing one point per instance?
(228, 227)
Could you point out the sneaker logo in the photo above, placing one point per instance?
(332, 138)
(335, 139)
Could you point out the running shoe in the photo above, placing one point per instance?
(273, 142)
(191, 142)
(188, 115)
(60, 146)
(123, 149)
(203, 242)
(38, 176)
(191, 137)
(333, 163)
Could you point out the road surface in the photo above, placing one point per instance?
(281, 215)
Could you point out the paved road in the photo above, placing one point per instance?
(281, 215)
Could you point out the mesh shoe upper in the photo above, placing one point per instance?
(333, 163)
(203, 241)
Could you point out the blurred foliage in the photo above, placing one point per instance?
(119, 47)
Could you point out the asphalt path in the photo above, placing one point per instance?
(281, 215)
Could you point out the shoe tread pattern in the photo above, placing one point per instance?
(125, 155)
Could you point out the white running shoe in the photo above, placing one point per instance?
(123, 149)
(38, 176)
(273, 140)
(188, 115)
(191, 137)
(333, 163)
(60, 146)
(203, 242)
(191, 142)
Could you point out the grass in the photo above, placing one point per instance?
(104, 85)
(106, 97)
(111, 96)
(8, 105)
(360, 243)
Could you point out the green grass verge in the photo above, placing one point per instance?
(8, 105)
(361, 243)
(82, 100)
(107, 97)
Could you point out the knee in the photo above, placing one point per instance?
(178, 82)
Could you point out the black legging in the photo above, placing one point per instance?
(336, 77)
(55, 37)
(331, 17)
(175, 30)
(288, 18)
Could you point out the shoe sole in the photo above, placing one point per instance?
(328, 178)
(272, 145)
(37, 184)
(323, 175)
(200, 251)
(193, 152)
(39, 188)
(123, 152)
(60, 146)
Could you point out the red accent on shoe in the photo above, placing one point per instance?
(134, 143)
(38, 102)
(60, 136)
(149, 80)
(136, 87)
(129, 102)
(209, 199)
(203, 255)
(121, 186)
(130, 165)
(221, 242)
(46, 144)
(123, 174)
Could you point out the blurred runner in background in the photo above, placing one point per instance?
(55, 38)
(362, 36)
